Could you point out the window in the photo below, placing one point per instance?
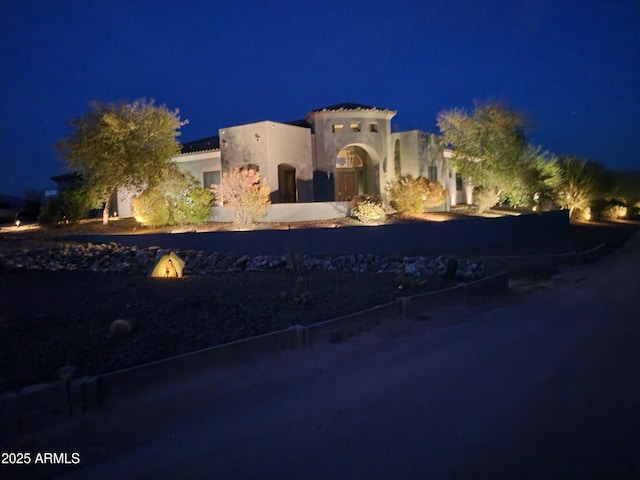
(432, 174)
(355, 127)
(458, 181)
(373, 127)
(209, 179)
(338, 127)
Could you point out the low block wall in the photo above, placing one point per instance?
(291, 212)
(137, 379)
(42, 405)
(339, 328)
(418, 238)
(540, 263)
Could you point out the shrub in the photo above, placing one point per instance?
(119, 328)
(150, 208)
(413, 195)
(242, 189)
(176, 200)
(368, 209)
(609, 209)
(70, 206)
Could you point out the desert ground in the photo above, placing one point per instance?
(49, 320)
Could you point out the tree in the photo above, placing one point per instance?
(242, 189)
(177, 199)
(121, 145)
(583, 181)
(536, 180)
(485, 144)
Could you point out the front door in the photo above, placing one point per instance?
(346, 185)
(289, 194)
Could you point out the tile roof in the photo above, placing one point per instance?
(348, 106)
(202, 145)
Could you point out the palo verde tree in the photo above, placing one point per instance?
(121, 145)
(486, 144)
(490, 148)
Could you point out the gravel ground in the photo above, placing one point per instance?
(52, 319)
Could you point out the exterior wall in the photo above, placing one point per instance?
(290, 145)
(421, 150)
(329, 143)
(268, 144)
(198, 163)
(291, 212)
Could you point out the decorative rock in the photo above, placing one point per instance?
(122, 259)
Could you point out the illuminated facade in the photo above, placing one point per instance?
(334, 154)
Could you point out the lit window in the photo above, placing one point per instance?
(355, 127)
(373, 127)
(338, 127)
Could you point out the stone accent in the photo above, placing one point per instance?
(114, 258)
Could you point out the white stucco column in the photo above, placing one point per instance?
(453, 193)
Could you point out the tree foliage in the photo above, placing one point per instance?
(626, 189)
(69, 207)
(121, 144)
(583, 181)
(485, 143)
(176, 199)
(413, 195)
(491, 150)
(536, 180)
(242, 189)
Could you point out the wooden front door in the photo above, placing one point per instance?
(346, 185)
(289, 193)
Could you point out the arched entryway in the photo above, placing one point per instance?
(354, 173)
(287, 187)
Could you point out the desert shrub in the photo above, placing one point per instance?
(150, 208)
(405, 281)
(242, 189)
(176, 200)
(368, 209)
(485, 198)
(298, 296)
(194, 206)
(119, 328)
(413, 195)
(581, 214)
(70, 206)
(609, 209)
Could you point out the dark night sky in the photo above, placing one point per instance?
(572, 67)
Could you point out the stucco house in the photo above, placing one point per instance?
(332, 155)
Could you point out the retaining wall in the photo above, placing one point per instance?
(418, 238)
